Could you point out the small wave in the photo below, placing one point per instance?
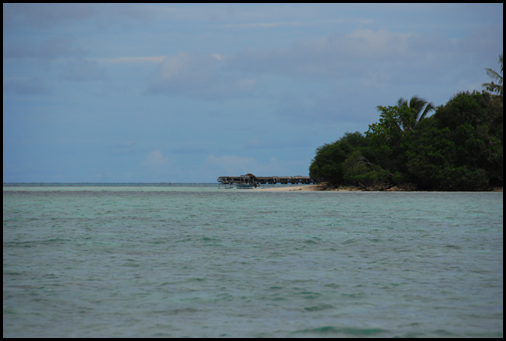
(195, 279)
(33, 243)
(179, 311)
(345, 330)
(319, 307)
(309, 295)
(358, 295)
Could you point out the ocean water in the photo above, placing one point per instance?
(179, 260)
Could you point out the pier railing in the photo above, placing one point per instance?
(246, 179)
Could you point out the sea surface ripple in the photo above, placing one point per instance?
(160, 260)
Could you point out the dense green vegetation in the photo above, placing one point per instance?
(459, 147)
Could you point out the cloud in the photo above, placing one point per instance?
(322, 109)
(146, 59)
(482, 39)
(342, 65)
(372, 58)
(102, 177)
(33, 86)
(198, 76)
(336, 56)
(82, 70)
(261, 25)
(158, 167)
(48, 16)
(74, 66)
(379, 56)
(189, 150)
(122, 148)
(269, 143)
(156, 161)
(50, 49)
(45, 15)
(235, 165)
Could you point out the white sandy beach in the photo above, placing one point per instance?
(306, 188)
(314, 188)
(288, 189)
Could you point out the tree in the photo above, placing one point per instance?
(358, 169)
(495, 88)
(460, 147)
(388, 137)
(422, 109)
(328, 161)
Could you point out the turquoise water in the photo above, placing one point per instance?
(174, 260)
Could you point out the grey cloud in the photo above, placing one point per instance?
(380, 56)
(47, 16)
(344, 104)
(190, 150)
(44, 15)
(47, 50)
(336, 56)
(482, 40)
(123, 148)
(82, 70)
(321, 110)
(269, 143)
(33, 86)
(198, 76)
(102, 177)
(76, 68)
(362, 59)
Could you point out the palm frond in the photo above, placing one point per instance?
(492, 87)
(402, 102)
(430, 107)
(417, 103)
(494, 75)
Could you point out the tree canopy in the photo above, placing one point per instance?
(459, 147)
(421, 110)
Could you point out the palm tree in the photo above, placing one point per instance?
(422, 109)
(419, 104)
(496, 76)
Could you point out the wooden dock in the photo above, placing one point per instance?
(251, 179)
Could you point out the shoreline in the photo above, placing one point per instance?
(320, 188)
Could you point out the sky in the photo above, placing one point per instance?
(154, 93)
